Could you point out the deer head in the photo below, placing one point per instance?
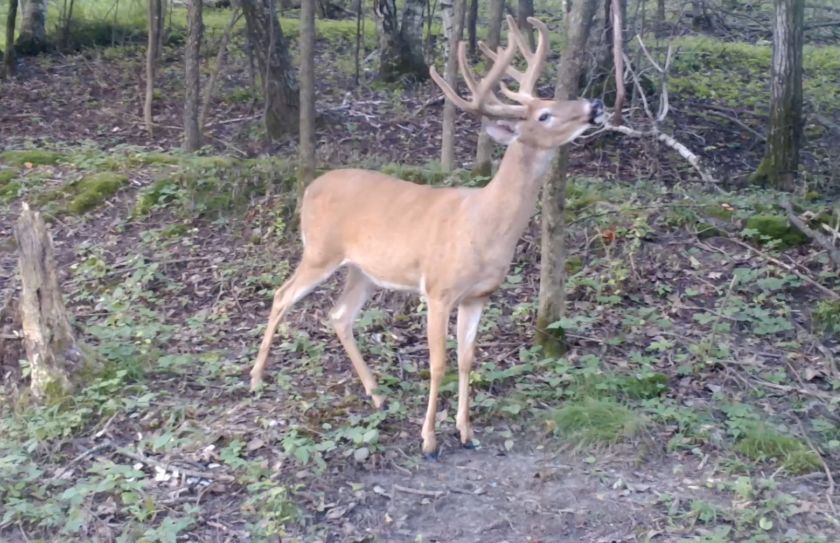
(531, 121)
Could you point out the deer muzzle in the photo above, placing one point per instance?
(596, 112)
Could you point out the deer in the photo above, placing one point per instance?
(451, 245)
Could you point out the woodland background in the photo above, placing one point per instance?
(673, 377)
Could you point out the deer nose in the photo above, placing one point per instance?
(596, 113)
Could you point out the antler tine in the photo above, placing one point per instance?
(536, 61)
(483, 100)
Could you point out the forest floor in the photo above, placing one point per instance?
(698, 400)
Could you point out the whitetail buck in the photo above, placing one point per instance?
(453, 246)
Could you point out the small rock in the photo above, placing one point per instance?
(361, 454)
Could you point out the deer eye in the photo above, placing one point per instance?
(544, 117)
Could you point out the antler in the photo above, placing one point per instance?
(536, 61)
(484, 100)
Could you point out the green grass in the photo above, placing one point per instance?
(761, 443)
(594, 421)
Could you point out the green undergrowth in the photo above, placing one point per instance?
(194, 185)
(738, 73)
(215, 185)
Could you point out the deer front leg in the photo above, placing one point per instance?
(469, 315)
(436, 330)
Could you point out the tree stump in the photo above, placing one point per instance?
(53, 354)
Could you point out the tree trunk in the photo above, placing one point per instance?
(9, 61)
(472, 23)
(456, 30)
(524, 10)
(282, 109)
(484, 149)
(192, 80)
(552, 300)
(660, 18)
(357, 51)
(33, 29)
(154, 18)
(784, 133)
(411, 30)
(306, 170)
(53, 354)
(400, 47)
(607, 63)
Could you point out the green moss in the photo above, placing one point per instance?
(94, 189)
(763, 443)
(37, 157)
(776, 227)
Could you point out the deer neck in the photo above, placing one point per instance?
(509, 199)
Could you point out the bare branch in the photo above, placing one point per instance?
(668, 140)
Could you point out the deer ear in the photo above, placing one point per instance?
(504, 132)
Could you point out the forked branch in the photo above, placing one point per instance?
(692, 158)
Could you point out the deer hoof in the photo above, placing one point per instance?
(433, 456)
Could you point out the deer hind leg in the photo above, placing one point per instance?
(469, 315)
(438, 320)
(306, 277)
(357, 290)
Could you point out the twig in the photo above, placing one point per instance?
(822, 240)
(825, 290)
(79, 458)
(737, 121)
(231, 121)
(420, 492)
(169, 467)
(428, 103)
(830, 491)
(804, 391)
(221, 57)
